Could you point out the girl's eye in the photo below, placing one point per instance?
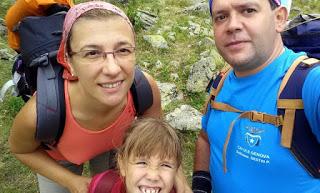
(166, 165)
(141, 163)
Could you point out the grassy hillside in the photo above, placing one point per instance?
(16, 178)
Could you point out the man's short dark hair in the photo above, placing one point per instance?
(273, 4)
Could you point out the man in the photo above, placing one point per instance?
(236, 155)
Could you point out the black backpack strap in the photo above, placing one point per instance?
(214, 86)
(50, 101)
(302, 142)
(141, 92)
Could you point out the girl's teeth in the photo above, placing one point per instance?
(150, 190)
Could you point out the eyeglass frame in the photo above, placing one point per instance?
(104, 53)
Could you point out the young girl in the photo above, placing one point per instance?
(148, 161)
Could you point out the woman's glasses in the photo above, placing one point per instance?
(99, 56)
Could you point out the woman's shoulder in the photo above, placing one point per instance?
(23, 129)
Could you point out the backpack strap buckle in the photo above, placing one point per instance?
(257, 116)
(265, 118)
(42, 60)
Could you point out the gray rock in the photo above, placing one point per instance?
(5, 54)
(184, 118)
(169, 92)
(194, 28)
(202, 6)
(122, 1)
(145, 64)
(207, 42)
(146, 18)
(174, 76)
(3, 28)
(156, 41)
(200, 74)
(158, 64)
(175, 64)
(172, 36)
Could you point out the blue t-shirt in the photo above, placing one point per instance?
(256, 161)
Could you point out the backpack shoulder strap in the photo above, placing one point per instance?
(50, 102)
(141, 92)
(296, 133)
(215, 85)
(289, 95)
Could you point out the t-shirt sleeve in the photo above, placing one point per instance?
(311, 100)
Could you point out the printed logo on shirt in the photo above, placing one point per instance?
(252, 139)
(252, 136)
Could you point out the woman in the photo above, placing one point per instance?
(98, 53)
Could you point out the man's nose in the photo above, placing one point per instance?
(234, 23)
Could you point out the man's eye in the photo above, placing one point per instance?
(219, 18)
(249, 10)
(92, 54)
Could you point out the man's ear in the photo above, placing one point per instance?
(281, 18)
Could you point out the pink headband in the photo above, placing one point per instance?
(73, 14)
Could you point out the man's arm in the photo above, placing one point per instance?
(202, 153)
(201, 179)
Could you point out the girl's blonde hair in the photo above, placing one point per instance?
(149, 137)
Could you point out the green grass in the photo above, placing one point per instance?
(16, 178)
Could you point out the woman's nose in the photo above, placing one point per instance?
(110, 65)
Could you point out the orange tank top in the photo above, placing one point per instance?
(78, 145)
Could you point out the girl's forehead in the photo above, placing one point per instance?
(155, 157)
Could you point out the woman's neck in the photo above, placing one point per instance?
(89, 112)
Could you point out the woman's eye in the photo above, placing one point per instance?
(92, 53)
(123, 51)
